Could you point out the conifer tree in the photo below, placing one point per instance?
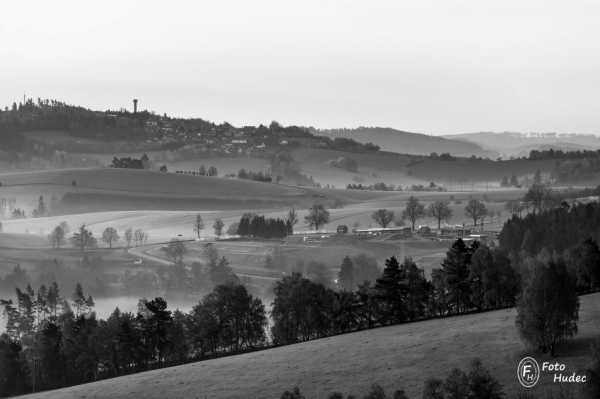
(346, 274)
(392, 292)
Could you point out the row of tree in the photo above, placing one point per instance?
(83, 238)
(390, 187)
(374, 187)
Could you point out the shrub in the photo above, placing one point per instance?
(292, 395)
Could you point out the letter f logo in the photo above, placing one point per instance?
(528, 372)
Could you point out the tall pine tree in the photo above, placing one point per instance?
(392, 290)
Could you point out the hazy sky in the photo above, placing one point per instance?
(435, 67)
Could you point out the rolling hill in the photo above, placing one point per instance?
(126, 183)
(140, 181)
(444, 172)
(397, 357)
(406, 170)
(407, 143)
(513, 143)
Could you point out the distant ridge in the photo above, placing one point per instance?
(514, 143)
(408, 143)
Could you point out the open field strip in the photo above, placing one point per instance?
(142, 181)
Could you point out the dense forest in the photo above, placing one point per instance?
(560, 154)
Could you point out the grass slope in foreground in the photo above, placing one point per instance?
(398, 357)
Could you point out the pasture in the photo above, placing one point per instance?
(57, 136)
(397, 357)
(371, 168)
(141, 181)
(448, 172)
(27, 187)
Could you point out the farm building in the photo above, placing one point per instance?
(342, 229)
(457, 230)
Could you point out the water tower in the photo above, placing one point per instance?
(135, 106)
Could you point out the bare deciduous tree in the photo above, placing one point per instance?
(110, 235)
(514, 207)
(292, 218)
(317, 216)
(129, 236)
(176, 249)
(198, 224)
(475, 209)
(57, 236)
(383, 217)
(138, 236)
(440, 210)
(218, 226)
(414, 210)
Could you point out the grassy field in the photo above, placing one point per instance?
(224, 165)
(161, 226)
(480, 171)
(57, 136)
(371, 168)
(27, 187)
(139, 181)
(398, 357)
(395, 170)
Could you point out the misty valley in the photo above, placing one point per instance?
(135, 245)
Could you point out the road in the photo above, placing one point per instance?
(139, 252)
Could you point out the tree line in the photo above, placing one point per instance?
(390, 187)
(74, 347)
(257, 226)
(131, 163)
(471, 278)
(83, 238)
(59, 342)
(560, 154)
(254, 176)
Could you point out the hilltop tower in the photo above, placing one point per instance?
(135, 106)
